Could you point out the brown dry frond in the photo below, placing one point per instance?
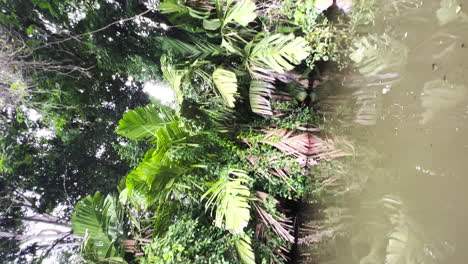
(308, 148)
(283, 227)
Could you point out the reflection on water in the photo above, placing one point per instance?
(404, 198)
(439, 95)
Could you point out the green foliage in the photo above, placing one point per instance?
(190, 241)
(159, 171)
(293, 185)
(243, 12)
(131, 151)
(278, 52)
(259, 95)
(244, 248)
(192, 47)
(100, 220)
(142, 123)
(230, 195)
(226, 82)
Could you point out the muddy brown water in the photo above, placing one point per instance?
(408, 109)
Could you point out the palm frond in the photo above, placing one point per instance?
(226, 82)
(259, 96)
(143, 122)
(278, 52)
(158, 171)
(197, 48)
(101, 220)
(297, 145)
(173, 76)
(244, 249)
(157, 175)
(282, 227)
(308, 148)
(230, 196)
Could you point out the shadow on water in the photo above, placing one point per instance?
(404, 105)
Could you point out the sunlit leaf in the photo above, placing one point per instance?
(244, 250)
(259, 96)
(143, 122)
(243, 12)
(226, 82)
(230, 196)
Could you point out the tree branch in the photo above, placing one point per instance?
(56, 242)
(77, 37)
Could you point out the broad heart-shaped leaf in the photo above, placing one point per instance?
(226, 82)
(278, 52)
(143, 122)
(243, 12)
(244, 249)
(259, 96)
(101, 220)
(230, 196)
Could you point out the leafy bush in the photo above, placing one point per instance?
(189, 241)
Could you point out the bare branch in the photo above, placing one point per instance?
(77, 37)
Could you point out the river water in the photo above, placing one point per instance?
(405, 105)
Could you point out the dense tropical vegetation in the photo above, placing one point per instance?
(215, 177)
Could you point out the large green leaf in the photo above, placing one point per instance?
(259, 96)
(143, 122)
(158, 174)
(278, 52)
(230, 196)
(243, 12)
(226, 82)
(155, 177)
(244, 249)
(100, 219)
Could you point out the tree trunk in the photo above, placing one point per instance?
(29, 237)
(48, 219)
